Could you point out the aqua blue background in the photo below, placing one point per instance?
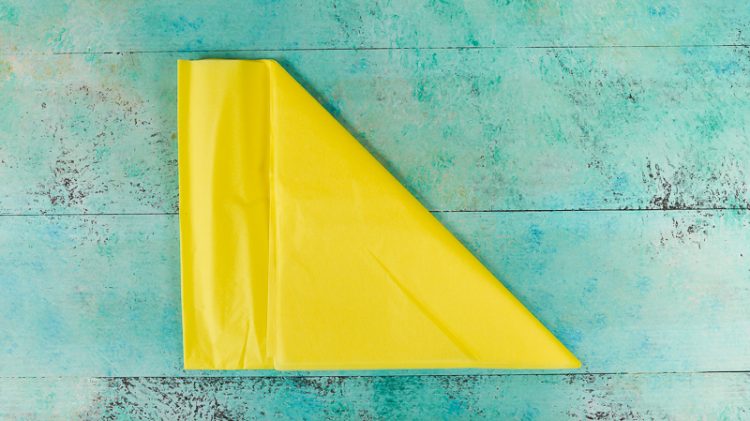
(593, 154)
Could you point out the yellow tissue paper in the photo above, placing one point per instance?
(300, 251)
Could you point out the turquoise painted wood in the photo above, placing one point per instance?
(682, 396)
(644, 128)
(626, 291)
(591, 153)
(141, 25)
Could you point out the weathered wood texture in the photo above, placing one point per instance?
(697, 396)
(626, 291)
(564, 107)
(644, 128)
(142, 25)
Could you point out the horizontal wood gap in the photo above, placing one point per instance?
(718, 209)
(312, 49)
(357, 376)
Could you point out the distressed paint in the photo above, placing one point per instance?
(634, 128)
(625, 291)
(626, 105)
(679, 396)
(141, 25)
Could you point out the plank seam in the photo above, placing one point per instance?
(353, 376)
(313, 49)
(696, 209)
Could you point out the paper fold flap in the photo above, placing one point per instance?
(300, 251)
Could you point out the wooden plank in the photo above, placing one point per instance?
(626, 291)
(463, 129)
(528, 397)
(49, 25)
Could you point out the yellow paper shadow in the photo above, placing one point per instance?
(300, 251)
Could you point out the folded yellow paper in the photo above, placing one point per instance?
(300, 251)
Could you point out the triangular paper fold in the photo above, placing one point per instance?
(301, 252)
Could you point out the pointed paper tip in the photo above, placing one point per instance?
(567, 360)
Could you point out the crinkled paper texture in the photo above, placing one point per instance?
(301, 252)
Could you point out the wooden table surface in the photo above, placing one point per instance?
(593, 154)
